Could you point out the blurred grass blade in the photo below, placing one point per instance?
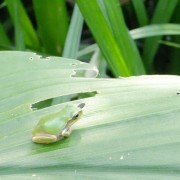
(104, 37)
(155, 30)
(19, 37)
(123, 39)
(52, 22)
(89, 49)
(143, 32)
(73, 37)
(162, 14)
(72, 43)
(172, 44)
(140, 11)
(28, 32)
(4, 39)
(175, 62)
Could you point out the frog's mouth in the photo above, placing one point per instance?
(44, 138)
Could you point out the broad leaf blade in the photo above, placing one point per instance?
(130, 129)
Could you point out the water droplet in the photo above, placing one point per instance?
(110, 158)
(34, 175)
(31, 58)
(122, 157)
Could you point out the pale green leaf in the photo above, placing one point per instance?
(129, 130)
(155, 30)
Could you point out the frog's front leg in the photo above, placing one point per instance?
(66, 132)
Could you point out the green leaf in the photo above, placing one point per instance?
(123, 39)
(142, 32)
(72, 42)
(155, 30)
(175, 54)
(4, 40)
(19, 38)
(140, 10)
(23, 24)
(52, 22)
(163, 12)
(73, 37)
(169, 43)
(129, 130)
(102, 33)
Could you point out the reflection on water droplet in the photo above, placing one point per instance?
(110, 158)
(128, 154)
(34, 175)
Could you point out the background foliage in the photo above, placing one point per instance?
(57, 28)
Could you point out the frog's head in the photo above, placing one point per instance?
(74, 114)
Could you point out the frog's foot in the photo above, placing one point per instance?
(66, 133)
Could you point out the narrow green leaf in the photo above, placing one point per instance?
(155, 30)
(104, 37)
(162, 14)
(143, 32)
(19, 37)
(140, 11)
(72, 43)
(28, 32)
(120, 32)
(175, 63)
(52, 21)
(73, 37)
(169, 43)
(89, 49)
(4, 39)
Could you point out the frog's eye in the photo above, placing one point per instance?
(76, 116)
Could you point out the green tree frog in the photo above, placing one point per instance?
(56, 126)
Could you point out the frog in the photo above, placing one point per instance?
(57, 126)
